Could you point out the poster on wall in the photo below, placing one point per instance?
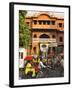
(39, 44)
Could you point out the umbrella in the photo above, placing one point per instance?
(28, 58)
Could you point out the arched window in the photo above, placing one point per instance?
(60, 24)
(44, 22)
(40, 22)
(35, 36)
(35, 22)
(48, 22)
(53, 22)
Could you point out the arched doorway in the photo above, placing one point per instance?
(34, 49)
(44, 44)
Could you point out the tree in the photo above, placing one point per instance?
(24, 32)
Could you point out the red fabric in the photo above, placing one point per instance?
(28, 58)
(36, 68)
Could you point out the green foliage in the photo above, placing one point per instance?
(24, 32)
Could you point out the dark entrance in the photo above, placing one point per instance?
(44, 36)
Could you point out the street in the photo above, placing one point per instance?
(44, 73)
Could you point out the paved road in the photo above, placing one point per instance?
(58, 72)
(46, 73)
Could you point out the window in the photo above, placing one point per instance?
(53, 22)
(60, 24)
(54, 49)
(44, 22)
(27, 23)
(35, 22)
(53, 36)
(35, 36)
(40, 22)
(61, 39)
(48, 22)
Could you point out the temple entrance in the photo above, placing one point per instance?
(44, 45)
(47, 46)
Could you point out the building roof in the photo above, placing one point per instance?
(51, 15)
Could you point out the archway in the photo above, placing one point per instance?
(44, 44)
(44, 36)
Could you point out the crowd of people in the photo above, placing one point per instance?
(35, 66)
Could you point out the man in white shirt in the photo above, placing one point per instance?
(41, 65)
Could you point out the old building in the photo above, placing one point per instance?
(47, 34)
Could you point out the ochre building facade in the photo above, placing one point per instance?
(47, 34)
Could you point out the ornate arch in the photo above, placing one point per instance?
(44, 36)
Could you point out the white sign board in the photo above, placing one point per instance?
(43, 40)
(53, 45)
(43, 49)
